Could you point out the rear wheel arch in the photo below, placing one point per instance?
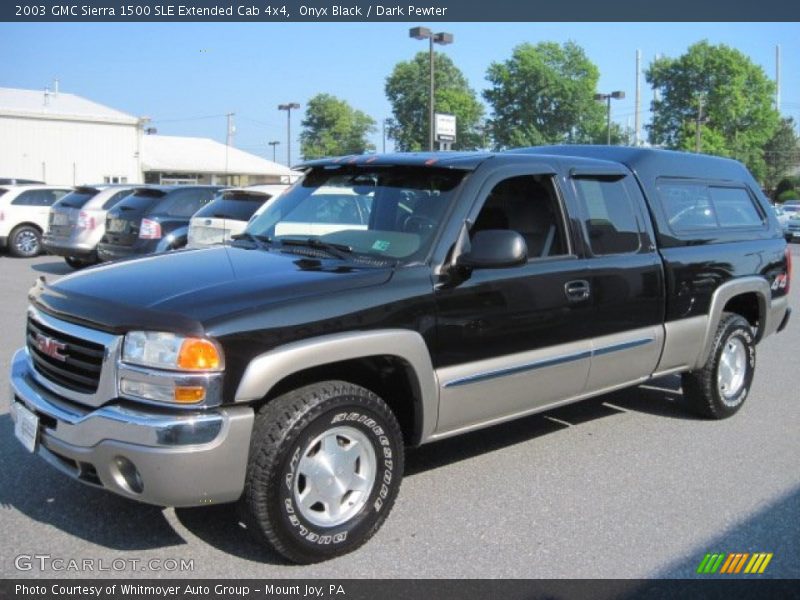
(737, 296)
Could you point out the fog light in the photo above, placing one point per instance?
(127, 475)
(163, 392)
(148, 391)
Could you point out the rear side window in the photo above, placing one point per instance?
(734, 207)
(609, 215)
(184, 203)
(38, 197)
(698, 206)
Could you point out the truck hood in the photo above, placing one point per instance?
(184, 291)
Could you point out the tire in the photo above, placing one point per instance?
(25, 241)
(76, 263)
(342, 423)
(719, 389)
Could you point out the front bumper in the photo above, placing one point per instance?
(180, 458)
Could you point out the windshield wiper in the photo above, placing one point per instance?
(340, 251)
(262, 241)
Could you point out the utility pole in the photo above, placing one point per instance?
(637, 123)
(384, 136)
(778, 78)
(698, 123)
(231, 129)
(228, 144)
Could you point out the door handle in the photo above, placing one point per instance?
(577, 290)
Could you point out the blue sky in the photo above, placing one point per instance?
(186, 76)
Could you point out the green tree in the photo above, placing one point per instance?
(736, 97)
(544, 94)
(332, 127)
(781, 153)
(408, 90)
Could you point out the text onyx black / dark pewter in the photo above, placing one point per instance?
(387, 301)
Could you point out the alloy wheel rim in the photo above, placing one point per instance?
(335, 475)
(26, 242)
(731, 370)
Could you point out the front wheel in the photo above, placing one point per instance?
(325, 466)
(719, 389)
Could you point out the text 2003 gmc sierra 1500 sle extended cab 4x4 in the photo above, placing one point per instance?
(388, 301)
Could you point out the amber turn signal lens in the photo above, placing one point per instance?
(189, 394)
(198, 354)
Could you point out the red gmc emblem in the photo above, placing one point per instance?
(50, 347)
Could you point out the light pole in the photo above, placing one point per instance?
(274, 144)
(423, 33)
(607, 97)
(288, 108)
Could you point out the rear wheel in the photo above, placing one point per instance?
(325, 466)
(77, 263)
(25, 241)
(719, 389)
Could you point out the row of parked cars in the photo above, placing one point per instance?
(788, 215)
(95, 223)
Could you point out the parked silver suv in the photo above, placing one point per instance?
(78, 221)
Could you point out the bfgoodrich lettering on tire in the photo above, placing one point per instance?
(719, 389)
(324, 470)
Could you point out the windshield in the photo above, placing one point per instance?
(390, 212)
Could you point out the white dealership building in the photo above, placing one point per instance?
(64, 139)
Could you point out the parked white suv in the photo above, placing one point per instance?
(228, 214)
(24, 210)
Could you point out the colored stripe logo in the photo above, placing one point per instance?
(734, 563)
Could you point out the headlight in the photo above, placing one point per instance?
(171, 351)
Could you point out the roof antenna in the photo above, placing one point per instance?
(55, 87)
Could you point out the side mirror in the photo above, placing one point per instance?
(495, 249)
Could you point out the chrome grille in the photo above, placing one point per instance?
(79, 371)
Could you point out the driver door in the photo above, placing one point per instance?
(510, 340)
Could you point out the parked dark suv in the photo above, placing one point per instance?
(152, 219)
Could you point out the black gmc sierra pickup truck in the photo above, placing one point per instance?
(393, 300)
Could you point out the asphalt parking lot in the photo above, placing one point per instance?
(629, 485)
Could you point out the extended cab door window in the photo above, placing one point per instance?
(610, 217)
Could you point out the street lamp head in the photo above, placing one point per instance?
(618, 95)
(273, 143)
(443, 38)
(288, 106)
(419, 33)
(600, 96)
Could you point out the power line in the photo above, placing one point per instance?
(187, 119)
